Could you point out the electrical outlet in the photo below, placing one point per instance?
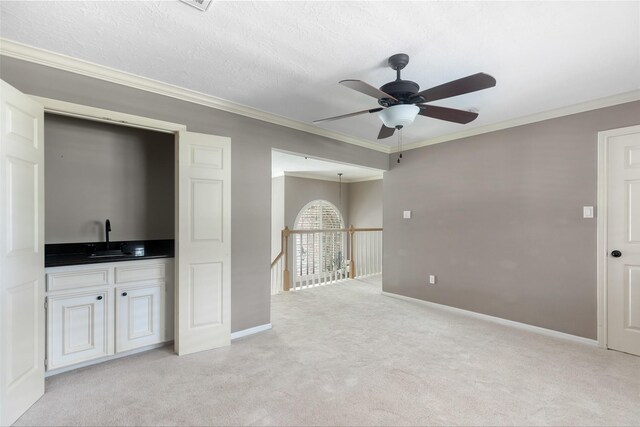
(432, 279)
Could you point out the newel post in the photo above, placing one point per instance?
(352, 260)
(286, 279)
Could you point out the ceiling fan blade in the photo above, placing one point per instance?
(366, 88)
(461, 86)
(448, 114)
(373, 110)
(385, 132)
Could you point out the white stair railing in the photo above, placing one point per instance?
(319, 257)
(368, 253)
(326, 256)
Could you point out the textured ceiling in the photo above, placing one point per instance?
(287, 57)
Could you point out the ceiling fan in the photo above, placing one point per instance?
(401, 100)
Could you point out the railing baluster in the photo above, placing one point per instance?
(379, 248)
(375, 252)
(362, 254)
(378, 253)
(358, 237)
(369, 254)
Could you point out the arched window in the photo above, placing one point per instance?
(319, 254)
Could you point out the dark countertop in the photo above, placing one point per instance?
(61, 254)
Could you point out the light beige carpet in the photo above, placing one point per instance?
(346, 355)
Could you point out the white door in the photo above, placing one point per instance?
(204, 244)
(21, 253)
(139, 316)
(623, 229)
(78, 327)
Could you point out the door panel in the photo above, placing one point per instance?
(203, 259)
(623, 234)
(632, 288)
(633, 210)
(206, 286)
(21, 253)
(23, 330)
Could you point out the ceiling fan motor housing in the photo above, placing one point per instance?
(402, 90)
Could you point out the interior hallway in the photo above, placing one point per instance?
(347, 355)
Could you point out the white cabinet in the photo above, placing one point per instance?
(96, 311)
(78, 327)
(139, 315)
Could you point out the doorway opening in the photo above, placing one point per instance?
(326, 221)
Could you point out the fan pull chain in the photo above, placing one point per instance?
(399, 143)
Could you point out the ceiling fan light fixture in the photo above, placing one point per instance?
(399, 115)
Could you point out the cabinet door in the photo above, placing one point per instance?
(78, 328)
(139, 316)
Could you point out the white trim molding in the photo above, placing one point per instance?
(595, 104)
(250, 331)
(499, 320)
(100, 115)
(58, 61)
(78, 66)
(311, 175)
(602, 231)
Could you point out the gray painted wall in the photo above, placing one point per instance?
(96, 171)
(365, 204)
(498, 218)
(277, 214)
(251, 140)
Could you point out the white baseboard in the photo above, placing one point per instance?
(499, 320)
(105, 359)
(250, 331)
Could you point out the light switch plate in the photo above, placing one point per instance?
(406, 214)
(587, 212)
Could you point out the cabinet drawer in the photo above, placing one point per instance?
(138, 273)
(77, 279)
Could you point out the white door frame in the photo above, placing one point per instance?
(55, 106)
(602, 253)
(107, 116)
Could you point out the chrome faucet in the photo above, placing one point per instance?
(107, 229)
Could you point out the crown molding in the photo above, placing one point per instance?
(67, 63)
(595, 104)
(311, 175)
(78, 66)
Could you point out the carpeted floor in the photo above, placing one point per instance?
(346, 355)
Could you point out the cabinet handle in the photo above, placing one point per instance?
(124, 294)
(99, 297)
